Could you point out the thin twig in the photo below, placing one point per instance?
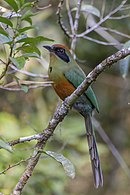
(105, 35)
(20, 89)
(14, 165)
(70, 16)
(103, 20)
(125, 7)
(75, 28)
(65, 30)
(43, 8)
(77, 15)
(119, 17)
(3, 62)
(25, 139)
(99, 42)
(25, 82)
(28, 73)
(117, 32)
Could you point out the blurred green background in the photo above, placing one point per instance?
(23, 114)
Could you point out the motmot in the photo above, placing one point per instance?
(66, 76)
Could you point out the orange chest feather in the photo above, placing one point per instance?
(63, 88)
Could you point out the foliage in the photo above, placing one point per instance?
(15, 24)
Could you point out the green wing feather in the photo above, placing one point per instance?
(76, 77)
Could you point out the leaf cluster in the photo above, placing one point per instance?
(15, 24)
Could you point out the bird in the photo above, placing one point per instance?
(66, 75)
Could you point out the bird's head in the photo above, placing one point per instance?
(59, 51)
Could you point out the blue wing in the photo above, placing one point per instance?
(76, 77)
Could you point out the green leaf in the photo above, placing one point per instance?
(67, 165)
(18, 61)
(5, 146)
(20, 36)
(29, 49)
(28, 4)
(20, 3)
(6, 21)
(13, 4)
(24, 88)
(27, 55)
(21, 30)
(4, 39)
(29, 20)
(125, 63)
(27, 15)
(34, 40)
(2, 31)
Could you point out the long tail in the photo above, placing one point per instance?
(95, 162)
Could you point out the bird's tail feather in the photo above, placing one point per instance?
(95, 162)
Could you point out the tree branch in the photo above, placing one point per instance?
(12, 166)
(28, 87)
(75, 27)
(70, 16)
(61, 112)
(103, 19)
(116, 32)
(99, 42)
(25, 139)
(27, 73)
(119, 17)
(65, 30)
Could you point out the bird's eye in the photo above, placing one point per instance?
(61, 53)
(60, 50)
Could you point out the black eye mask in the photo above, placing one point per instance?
(60, 52)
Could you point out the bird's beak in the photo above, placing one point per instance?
(47, 47)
